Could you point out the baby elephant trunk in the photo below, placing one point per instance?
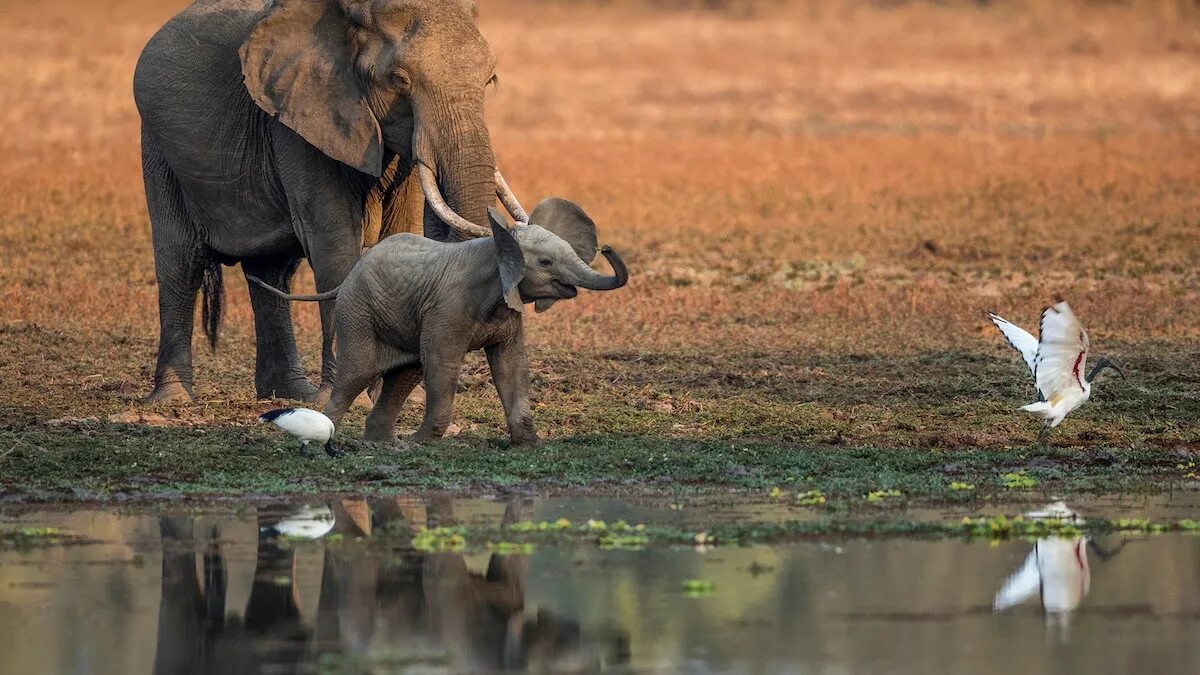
(588, 278)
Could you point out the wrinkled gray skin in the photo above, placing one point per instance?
(414, 306)
(276, 130)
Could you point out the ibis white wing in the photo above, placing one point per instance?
(1019, 338)
(1062, 352)
(1020, 586)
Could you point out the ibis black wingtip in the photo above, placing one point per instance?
(272, 415)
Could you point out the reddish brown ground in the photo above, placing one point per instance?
(808, 195)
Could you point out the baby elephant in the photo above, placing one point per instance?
(413, 305)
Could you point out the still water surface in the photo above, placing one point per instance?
(214, 591)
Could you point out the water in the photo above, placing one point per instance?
(176, 591)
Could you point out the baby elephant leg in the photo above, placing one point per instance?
(398, 383)
(356, 369)
(510, 372)
(441, 364)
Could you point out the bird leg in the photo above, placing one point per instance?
(1041, 439)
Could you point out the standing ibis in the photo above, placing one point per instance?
(308, 426)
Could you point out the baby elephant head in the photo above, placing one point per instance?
(550, 258)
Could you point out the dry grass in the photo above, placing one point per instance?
(795, 186)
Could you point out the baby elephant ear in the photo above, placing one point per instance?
(567, 219)
(510, 261)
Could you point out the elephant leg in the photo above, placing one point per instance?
(327, 206)
(358, 369)
(277, 369)
(331, 254)
(441, 364)
(398, 383)
(510, 372)
(179, 260)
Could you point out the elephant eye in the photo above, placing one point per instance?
(493, 80)
(546, 262)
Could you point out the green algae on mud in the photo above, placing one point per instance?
(127, 461)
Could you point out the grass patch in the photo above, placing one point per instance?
(119, 461)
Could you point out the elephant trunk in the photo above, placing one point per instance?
(458, 169)
(588, 278)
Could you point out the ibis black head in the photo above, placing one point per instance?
(332, 451)
(272, 415)
(1101, 365)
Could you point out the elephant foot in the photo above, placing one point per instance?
(296, 390)
(172, 391)
(423, 434)
(379, 435)
(521, 433)
(321, 397)
(525, 440)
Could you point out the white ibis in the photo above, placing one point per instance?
(1056, 361)
(307, 522)
(1056, 570)
(308, 426)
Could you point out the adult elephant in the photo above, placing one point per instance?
(285, 129)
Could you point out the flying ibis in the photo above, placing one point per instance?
(1057, 362)
(308, 426)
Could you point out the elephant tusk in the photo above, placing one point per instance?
(509, 199)
(433, 195)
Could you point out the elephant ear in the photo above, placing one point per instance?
(567, 219)
(297, 66)
(509, 260)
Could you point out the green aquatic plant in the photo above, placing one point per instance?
(876, 496)
(810, 498)
(543, 526)
(1018, 481)
(959, 486)
(28, 537)
(623, 541)
(511, 548)
(698, 588)
(436, 539)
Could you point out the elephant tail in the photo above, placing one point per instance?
(316, 297)
(212, 303)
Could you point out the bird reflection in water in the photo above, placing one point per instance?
(375, 608)
(1056, 570)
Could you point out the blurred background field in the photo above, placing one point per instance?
(819, 202)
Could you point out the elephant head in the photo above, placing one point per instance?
(548, 258)
(361, 79)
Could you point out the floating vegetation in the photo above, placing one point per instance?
(876, 496)
(959, 486)
(1189, 468)
(28, 537)
(810, 498)
(624, 541)
(437, 539)
(1019, 480)
(544, 526)
(698, 588)
(525, 538)
(511, 548)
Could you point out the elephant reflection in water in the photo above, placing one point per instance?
(371, 607)
(1056, 569)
